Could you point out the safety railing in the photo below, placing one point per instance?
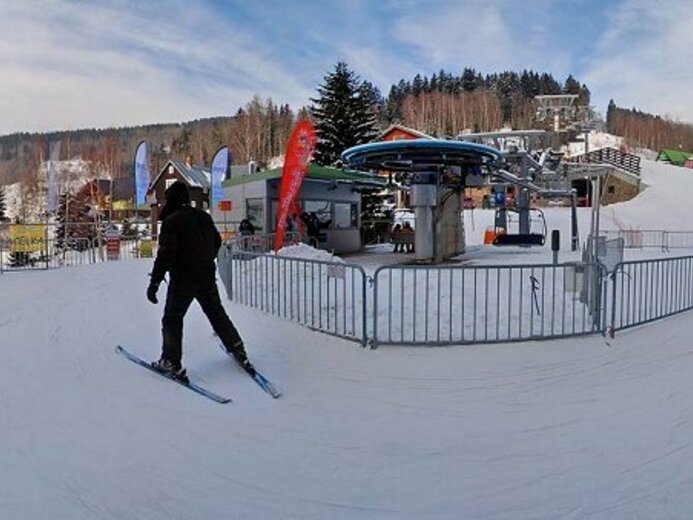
(260, 243)
(326, 296)
(653, 238)
(416, 305)
(648, 290)
(625, 161)
(440, 305)
(49, 253)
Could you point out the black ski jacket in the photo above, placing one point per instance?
(188, 245)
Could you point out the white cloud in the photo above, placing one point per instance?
(69, 64)
(644, 58)
(481, 34)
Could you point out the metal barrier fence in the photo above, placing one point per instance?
(326, 296)
(440, 305)
(261, 243)
(648, 290)
(414, 305)
(53, 253)
(662, 239)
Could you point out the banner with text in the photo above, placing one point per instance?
(27, 238)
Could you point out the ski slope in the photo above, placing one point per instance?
(570, 429)
(578, 428)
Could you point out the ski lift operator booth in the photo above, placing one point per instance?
(331, 194)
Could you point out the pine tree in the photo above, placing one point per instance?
(376, 215)
(367, 111)
(20, 259)
(76, 228)
(572, 86)
(470, 80)
(344, 114)
(610, 111)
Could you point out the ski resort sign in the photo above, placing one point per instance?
(27, 238)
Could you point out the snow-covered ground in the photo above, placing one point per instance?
(595, 141)
(663, 204)
(579, 428)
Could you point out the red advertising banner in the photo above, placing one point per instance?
(299, 151)
(112, 244)
(225, 205)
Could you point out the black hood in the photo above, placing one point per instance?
(177, 196)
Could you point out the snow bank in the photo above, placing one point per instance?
(664, 202)
(596, 140)
(307, 252)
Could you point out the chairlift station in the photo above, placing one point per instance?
(437, 171)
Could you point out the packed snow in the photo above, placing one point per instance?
(595, 141)
(586, 427)
(307, 252)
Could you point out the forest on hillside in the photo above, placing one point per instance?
(643, 130)
(442, 105)
(257, 131)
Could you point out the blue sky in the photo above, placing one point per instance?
(70, 64)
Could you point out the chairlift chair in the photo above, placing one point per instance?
(536, 236)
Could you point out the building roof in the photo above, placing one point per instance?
(198, 176)
(120, 189)
(314, 173)
(676, 157)
(195, 176)
(404, 129)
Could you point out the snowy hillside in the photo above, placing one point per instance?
(663, 204)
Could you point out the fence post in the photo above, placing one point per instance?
(364, 308)
(374, 285)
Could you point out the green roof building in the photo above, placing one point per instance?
(331, 195)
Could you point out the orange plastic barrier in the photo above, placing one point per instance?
(489, 236)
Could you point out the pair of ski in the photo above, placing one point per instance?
(261, 380)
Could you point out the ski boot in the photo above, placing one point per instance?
(239, 354)
(170, 369)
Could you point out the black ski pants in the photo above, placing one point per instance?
(178, 300)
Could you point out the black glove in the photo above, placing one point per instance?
(151, 292)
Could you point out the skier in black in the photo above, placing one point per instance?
(188, 246)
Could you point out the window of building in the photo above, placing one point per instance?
(322, 209)
(611, 189)
(254, 213)
(169, 182)
(345, 215)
